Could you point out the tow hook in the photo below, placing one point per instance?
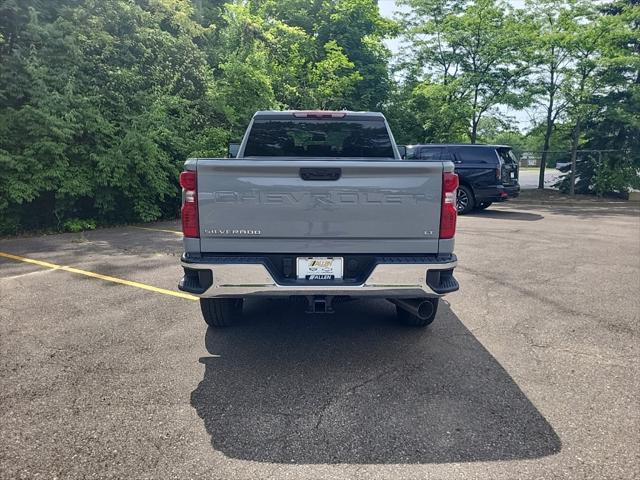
(319, 304)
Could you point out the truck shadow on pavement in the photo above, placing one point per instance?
(357, 388)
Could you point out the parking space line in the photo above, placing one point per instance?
(175, 232)
(99, 276)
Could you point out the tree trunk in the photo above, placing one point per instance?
(545, 153)
(547, 142)
(474, 129)
(476, 118)
(574, 153)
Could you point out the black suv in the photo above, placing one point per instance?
(488, 173)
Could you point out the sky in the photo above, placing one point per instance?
(388, 8)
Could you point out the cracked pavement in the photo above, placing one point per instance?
(530, 371)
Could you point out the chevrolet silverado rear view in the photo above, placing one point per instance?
(318, 205)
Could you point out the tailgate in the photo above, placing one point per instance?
(345, 206)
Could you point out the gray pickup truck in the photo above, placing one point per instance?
(318, 205)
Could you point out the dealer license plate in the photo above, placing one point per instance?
(319, 268)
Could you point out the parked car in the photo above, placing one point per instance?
(318, 205)
(564, 166)
(487, 173)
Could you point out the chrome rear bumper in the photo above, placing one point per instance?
(397, 280)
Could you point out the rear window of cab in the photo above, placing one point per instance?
(313, 137)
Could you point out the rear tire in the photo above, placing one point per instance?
(483, 205)
(411, 320)
(221, 312)
(465, 201)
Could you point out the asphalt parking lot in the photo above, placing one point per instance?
(530, 371)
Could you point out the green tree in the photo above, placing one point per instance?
(402, 115)
(616, 124)
(606, 102)
(101, 117)
(473, 56)
(591, 48)
(556, 25)
(357, 29)
(333, 79)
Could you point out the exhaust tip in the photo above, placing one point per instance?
(425, 309)
(421, 308)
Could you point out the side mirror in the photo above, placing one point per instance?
(233, 150)
(402, 149)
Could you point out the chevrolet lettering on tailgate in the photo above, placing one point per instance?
(327, 198)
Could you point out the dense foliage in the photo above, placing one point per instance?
(102, 100)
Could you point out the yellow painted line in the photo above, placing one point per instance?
(106, 278)
(175, 232)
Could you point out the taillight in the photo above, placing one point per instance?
(448, 212)
(189, 211)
